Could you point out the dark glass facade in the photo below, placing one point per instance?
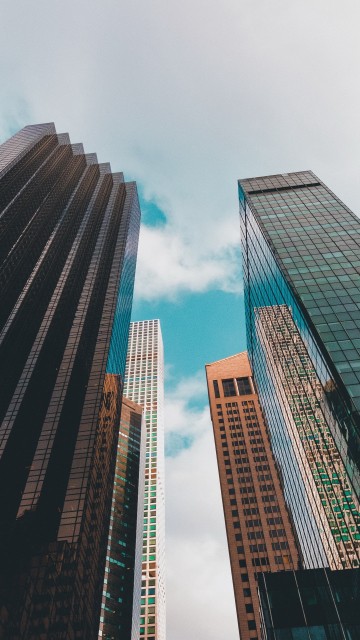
(68, 239)
(302, 297)
(316, 604)
(120, 607)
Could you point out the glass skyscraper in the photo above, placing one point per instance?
(68, 242)
(120, 607)
(144, 384)
(300, 248)
(315, 604)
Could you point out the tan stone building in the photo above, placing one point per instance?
(259, 531)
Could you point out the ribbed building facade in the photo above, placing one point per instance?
(300, 248)
(259, 531)
(144, 384)
(68, 242)
(120, 607)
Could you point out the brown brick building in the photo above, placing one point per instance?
(259, 532)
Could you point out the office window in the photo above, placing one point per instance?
(244, 386)
(229, 387)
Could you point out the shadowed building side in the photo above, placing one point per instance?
(310, 603)
(68, 240)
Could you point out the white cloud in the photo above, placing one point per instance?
(200, 600)
(168, 265)
(186, 411)
(187, 97)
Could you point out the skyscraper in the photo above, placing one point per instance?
(120, 607)
(144, 384)
(300, 247)
(259, 531)
(68, 242)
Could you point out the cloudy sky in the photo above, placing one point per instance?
(186, 97)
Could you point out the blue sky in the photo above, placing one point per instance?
(197, 328)
(186, 98)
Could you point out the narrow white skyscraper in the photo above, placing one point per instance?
(144, 384)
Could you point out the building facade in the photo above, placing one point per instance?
(144, 384)
(314, 604)
(120, 607)
(300, 248)
(68, 242)
(259, 531)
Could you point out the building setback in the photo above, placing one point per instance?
(120, 607)
(259, 531)
(144, 384)
(68, 243)
(300, 248)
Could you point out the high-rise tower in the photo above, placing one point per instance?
(259, 531)
(144, 384)
(68, 244)
(120, 607)
(300, 247)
